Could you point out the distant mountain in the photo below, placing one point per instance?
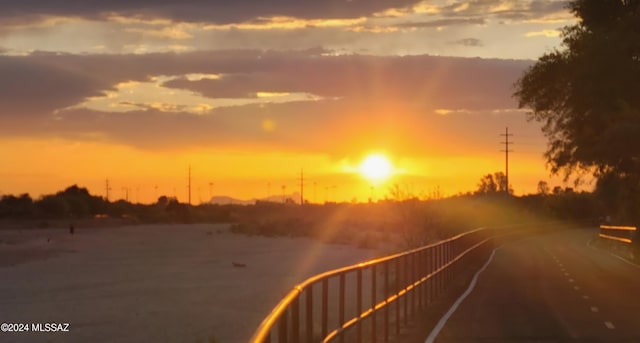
(226, 200)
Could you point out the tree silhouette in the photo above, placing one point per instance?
(493, 184)
(543, 187)
(586, 93)
(16, 206)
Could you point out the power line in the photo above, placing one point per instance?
(506, 151)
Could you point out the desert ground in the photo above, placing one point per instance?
(153, 283)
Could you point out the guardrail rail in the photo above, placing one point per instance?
(373, 300)
(623, 234)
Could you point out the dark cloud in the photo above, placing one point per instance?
(31, 87)
(388, 100)
(42, 83)
(218, 11)
(442, 23)
(439, 82)
(468, 42)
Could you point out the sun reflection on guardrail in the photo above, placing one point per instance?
(624, 234)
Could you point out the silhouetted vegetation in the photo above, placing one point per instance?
(404, 221)
(76, 203)
(586, 96)
(493, 183)
(412, 222)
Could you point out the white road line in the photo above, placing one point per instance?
(609, 325)
(576, 288)
(571, 280)
(436, 330)
(614, 255)
(594, 309)
(566, 274)
(585, 297)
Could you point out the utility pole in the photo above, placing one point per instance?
(210, 191)
(283, 190)
(125, 190)
(189, 186)
(107, 188)
(506, 151)
(301, 187)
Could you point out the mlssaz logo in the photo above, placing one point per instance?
(50, 327)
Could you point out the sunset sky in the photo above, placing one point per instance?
(250, 92)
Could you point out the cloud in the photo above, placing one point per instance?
(442, 23)
(174, 33)
(34, 87)
(544, 33)
(117, 27)
(363, 100)
(219, 11)
(505, 9)
(415, 80)
(468, 42)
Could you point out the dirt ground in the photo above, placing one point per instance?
(152, 283)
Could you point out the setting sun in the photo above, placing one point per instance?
(376, 168)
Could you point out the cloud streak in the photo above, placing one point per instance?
(219, 11)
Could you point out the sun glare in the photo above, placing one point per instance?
(376, 168)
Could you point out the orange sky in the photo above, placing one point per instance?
(51, 165)
(249, 97)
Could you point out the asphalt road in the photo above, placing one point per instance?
(550, 288)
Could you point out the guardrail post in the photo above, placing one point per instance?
(427, 266)
(373, 303)
(359, 305)
(420, 258)
(282, 329)
(341, 305)
(448, 268)
(325, 307)
(455, 265)
(442, 271)
(449, 263)
(430, 280)
(309, 308)
(405, 282)
(413, 280)
(386, 307)
(295, 320)
(437, 276)
(398, 300)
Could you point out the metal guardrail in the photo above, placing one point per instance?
(624, 234)
(371, 301)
